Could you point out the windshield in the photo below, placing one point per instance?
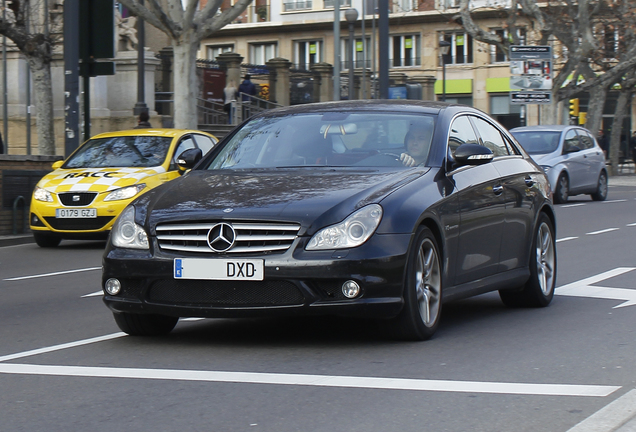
(328, 139)
(124, 151)
(538, 142)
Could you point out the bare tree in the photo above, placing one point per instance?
(25, 23)
(186, 28)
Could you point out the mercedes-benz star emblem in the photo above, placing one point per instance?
(221, 237)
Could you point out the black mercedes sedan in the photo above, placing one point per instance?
(382, 209)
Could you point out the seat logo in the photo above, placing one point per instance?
(76, 198)
(221, 237)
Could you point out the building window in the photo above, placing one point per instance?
(295, 5)
(497, 54)
(213, 51)
(261, 52)
(357, 51)
(461, 48)
(404, 51)
(307, 53)
(328, 4)
(608, 38)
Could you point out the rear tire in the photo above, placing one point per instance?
(562, 192)
(145, 324)
(46, 240)
(539, 289)
(422, 310)
(601, 188)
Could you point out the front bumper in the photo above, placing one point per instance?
(297, 282)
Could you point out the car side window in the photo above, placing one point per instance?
(205, 143)
(491, 137)
(587, 142)
(461, 132)
(571, 140)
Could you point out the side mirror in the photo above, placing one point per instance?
(472, 154)
(189, 158)
(57, 164)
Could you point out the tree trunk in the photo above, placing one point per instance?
(595, 109)
(43, 92)
(186, 85)
(624, 98)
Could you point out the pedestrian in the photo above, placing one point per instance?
(632, 146)
(229, 93)
(247, 89)
(143, 122)
(603, 142)
(1, 145)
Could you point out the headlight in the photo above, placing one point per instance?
(42, 195)
(126, 233)
(125, 192)
(352, 232)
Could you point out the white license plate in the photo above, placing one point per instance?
(76, 213)
(218, 269)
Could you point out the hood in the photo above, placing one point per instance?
(312, 197)
(95, 179)
(544, 159)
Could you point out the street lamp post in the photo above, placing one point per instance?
(141, 106)
(444, 47)
(351, 15)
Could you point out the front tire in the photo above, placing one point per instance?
(145, 324)
(422, 310)
(539, 289)
(601, 188)
(562, 192)
(46, 240)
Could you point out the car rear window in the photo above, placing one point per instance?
(121, 152)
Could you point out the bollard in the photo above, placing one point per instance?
(16, 201)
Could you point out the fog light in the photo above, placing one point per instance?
(350, 289)
(112, 286)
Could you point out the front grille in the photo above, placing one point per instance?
(79, 224)
(252, 237)
(225, 293)
(77, 199)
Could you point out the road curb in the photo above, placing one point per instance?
(618, 416)
(13, 240)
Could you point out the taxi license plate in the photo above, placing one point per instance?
(76, 213)
(218, 269)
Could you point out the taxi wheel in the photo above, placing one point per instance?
(145, 324)
(46, 240)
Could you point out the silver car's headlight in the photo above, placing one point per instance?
(351, 232)
(125, 192)
(42, 194)
(126, 233)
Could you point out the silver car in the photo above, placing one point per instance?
(570, 156)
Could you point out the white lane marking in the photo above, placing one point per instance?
(602, 231)
(314, 380)
(95, 294)
(584, 288)
(610, 417)
(631, 224)
(53, 274)
(614, 201)
(572, 205)
(566, 239)
(61, 346)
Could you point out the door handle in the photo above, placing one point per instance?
(529, 181)
(497, 190)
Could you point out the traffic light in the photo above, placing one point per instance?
(582, 118)
(574, 107)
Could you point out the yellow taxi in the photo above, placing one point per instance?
(83, 195)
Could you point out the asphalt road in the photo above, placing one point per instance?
(64, 365)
